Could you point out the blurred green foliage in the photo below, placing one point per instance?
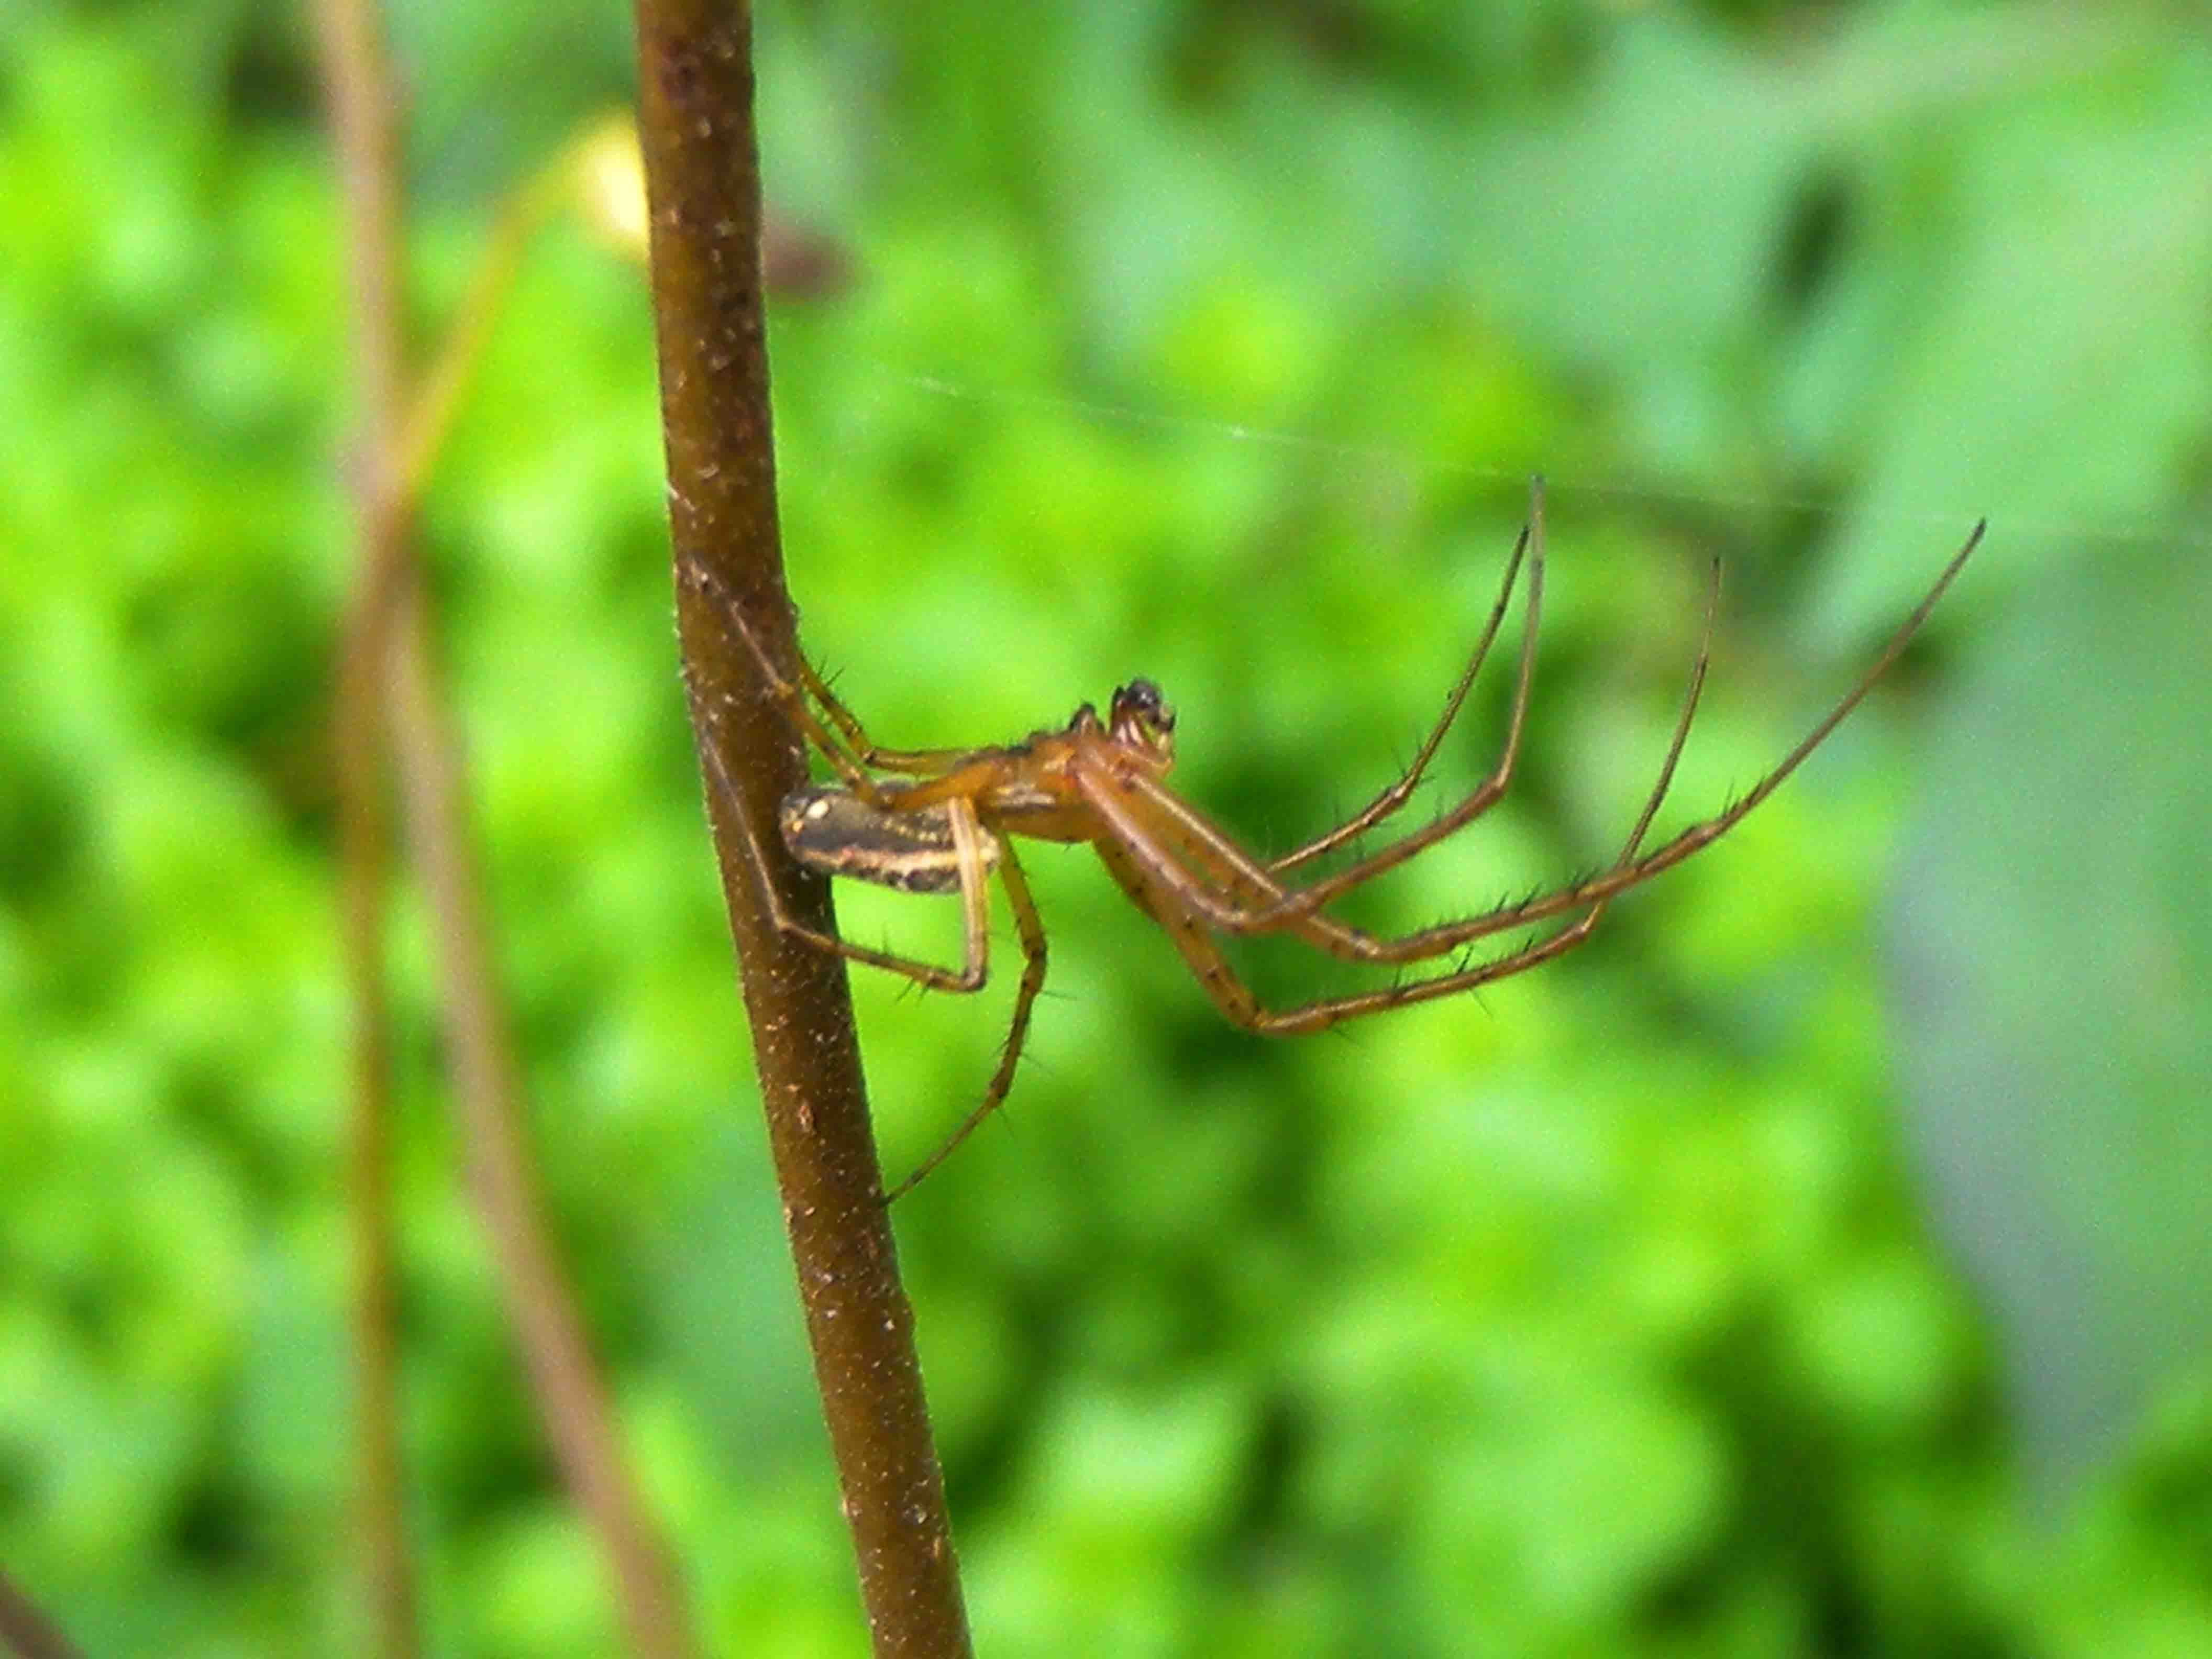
(1600, 1315)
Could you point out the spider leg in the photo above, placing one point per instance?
(1229, 912)
(1150, 877)
(910, 762)
(1254, 902)
(1399, 793)
(1188, 863)
(1031, 928)
(1630, 871)
(1487, 793)
(1143, 882)
(972, 772)
(1182, 856)
(851, 758)
(974, 899)
(790, 695)
(842, 718)
(1229, 992)
(1285, 909)
(1334, 1011)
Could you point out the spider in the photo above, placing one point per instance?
(942, 821)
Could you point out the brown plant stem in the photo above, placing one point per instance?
(357, 88)
(27, 1631)
(702, 180)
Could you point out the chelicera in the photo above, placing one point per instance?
(944, 821)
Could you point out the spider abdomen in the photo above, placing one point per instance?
(835, 831)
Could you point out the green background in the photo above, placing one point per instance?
(1817, 1263)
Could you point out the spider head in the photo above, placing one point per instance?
(1141, 720)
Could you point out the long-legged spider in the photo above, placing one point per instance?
(950, 818)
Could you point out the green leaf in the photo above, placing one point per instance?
(2054, 936)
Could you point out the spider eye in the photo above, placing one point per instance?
(1140, 700)
(1142, 718)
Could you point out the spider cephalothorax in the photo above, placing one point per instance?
(943, 820)
(1141, 718)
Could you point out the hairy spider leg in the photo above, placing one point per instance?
(1158, 842)
(1031, 928)
(1626, 873)
(1219, 981)
(851, 759)
(910, 762)
(1237, 885)
(1226, 914)
(1397, 793)
(1150, 876)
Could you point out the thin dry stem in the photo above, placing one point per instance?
(358, 91)
(386, 631)
(27, 1631)
(572, 1400)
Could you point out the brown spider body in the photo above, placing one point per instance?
(945, 821)
(1039, 787)
(905, 839)
(837, 833)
